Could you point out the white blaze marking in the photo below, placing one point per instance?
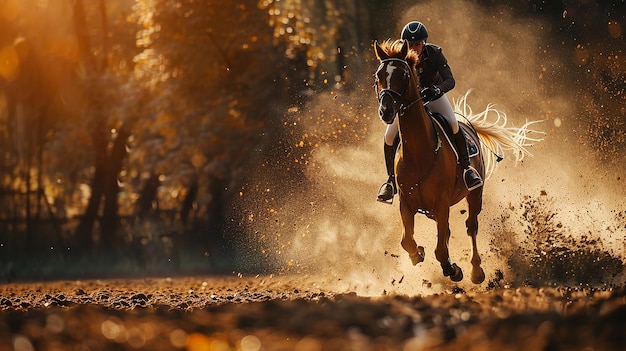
(390, 69)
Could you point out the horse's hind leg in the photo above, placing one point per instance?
(475, 203)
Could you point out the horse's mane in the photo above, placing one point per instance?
(393, 48)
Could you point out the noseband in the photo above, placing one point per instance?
(400, 102)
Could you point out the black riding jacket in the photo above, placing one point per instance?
(433, 69)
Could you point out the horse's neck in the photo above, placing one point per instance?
(416, 127)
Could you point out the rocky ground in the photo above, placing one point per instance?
(296, 313)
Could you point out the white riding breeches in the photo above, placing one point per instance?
(441, 106)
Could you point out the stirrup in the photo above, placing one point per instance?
(386, 200)
(477, 184)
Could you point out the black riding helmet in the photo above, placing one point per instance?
(414, 31)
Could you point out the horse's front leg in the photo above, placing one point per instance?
(441, 251)
(416, 253)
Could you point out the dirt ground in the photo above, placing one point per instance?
(298, 313)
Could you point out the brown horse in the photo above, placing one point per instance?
(428, 176)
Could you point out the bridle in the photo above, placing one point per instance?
(400, 102)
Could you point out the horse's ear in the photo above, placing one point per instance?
(405, 48)
(380, 53)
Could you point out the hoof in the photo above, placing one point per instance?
(458, 273)
(453, 271)
(418, 256)
(478, 275)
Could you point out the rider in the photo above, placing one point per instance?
(436, 77)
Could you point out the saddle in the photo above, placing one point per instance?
(442, 122)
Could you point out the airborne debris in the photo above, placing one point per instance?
(550, 254)
(497, 282)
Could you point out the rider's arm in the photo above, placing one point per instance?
(445, 73)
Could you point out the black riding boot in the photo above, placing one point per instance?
(388, 189)
(470, 176)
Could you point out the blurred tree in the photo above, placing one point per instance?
(69, 85)
(218, 84)
(111, 112)
(35, 61)
(194, 93)
(327, 34)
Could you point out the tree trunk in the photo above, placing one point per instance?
(110, 213)
(84, 231)
(190, 198)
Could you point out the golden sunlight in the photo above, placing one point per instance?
(9, 63)
(11, 9)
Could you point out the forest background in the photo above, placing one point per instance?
(134, 134)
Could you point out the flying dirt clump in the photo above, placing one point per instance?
(548, 254)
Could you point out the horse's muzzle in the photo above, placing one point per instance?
(386, 109)
(386, 114)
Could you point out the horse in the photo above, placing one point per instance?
(428, 177)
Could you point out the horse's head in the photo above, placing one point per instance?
(393, 77)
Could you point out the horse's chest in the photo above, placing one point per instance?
(422, 185)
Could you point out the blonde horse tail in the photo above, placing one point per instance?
(495, 136)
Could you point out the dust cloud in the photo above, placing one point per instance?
(337, 232)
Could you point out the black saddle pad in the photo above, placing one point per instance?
(472, 148)
(442, 121)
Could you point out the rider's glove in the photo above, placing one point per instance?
(430, 93)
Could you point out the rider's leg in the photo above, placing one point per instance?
(392, 140)
(443, 107)
(390, 156)
(470, 176)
